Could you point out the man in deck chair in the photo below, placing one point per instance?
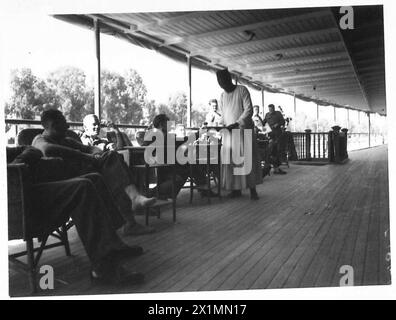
(160, 122)
(91, 135)
(88, 202)
(82, 159)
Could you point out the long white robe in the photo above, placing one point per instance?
(236, 106)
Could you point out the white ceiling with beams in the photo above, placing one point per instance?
(298, 51)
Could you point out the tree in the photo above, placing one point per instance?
(137, 90)
(149, 109)
(69, 84)
(30, 95)
(163, 108)
(123, 98)
(178, 105)
(198, 115)
(118, 100)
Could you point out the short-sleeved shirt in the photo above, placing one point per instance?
(214, 118)
(273, 118)
(97, 142)
(258, 122)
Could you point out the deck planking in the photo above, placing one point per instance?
(306, 225)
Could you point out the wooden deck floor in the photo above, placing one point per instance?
(306, 225)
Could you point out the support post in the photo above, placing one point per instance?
(369, 129)
(308, 144)
(295, 112)
(189, 95)
(348, 127)
(262, 102)
(317, 117)
(335, 115)
(97, 106)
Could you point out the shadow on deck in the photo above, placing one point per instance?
(306, 225)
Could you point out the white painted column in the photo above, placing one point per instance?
(295, 112)
(97, 91)
(335, 115)
(189, 94)
(369, 129)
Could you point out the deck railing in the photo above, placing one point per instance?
(332, 146)
(329, 146)
(14, 126)
(311, 145)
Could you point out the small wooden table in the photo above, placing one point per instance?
(137, 163)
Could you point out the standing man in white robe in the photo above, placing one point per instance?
(236, 108)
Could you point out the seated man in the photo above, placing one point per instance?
(88, 202)
(81, 159)
(214, 118)
(276, 122)
(182, 171)
(258, 122)
(90, 136)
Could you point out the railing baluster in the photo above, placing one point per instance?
(314, 145)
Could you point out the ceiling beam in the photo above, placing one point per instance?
(266, 41)
(168, 21)
(322, 87)
(272, 53)
(304, 68)
(312, 75)
(379, 59)
(321, 79)
(250, 27)
(301, 60)
(336, 91)
(376, 67)
(330, 64)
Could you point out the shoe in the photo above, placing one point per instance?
(116, 276)
(234, 194)
(254, 195)
(126, 252)
(136, 229)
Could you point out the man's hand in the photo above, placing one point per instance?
(111, 146)
(233, 126)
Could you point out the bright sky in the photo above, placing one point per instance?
(43, 44)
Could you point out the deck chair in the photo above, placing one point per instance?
(21, 224)
(25, 137)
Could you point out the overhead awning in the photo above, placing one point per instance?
(295, 51)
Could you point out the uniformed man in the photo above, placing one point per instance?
(276, 122)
